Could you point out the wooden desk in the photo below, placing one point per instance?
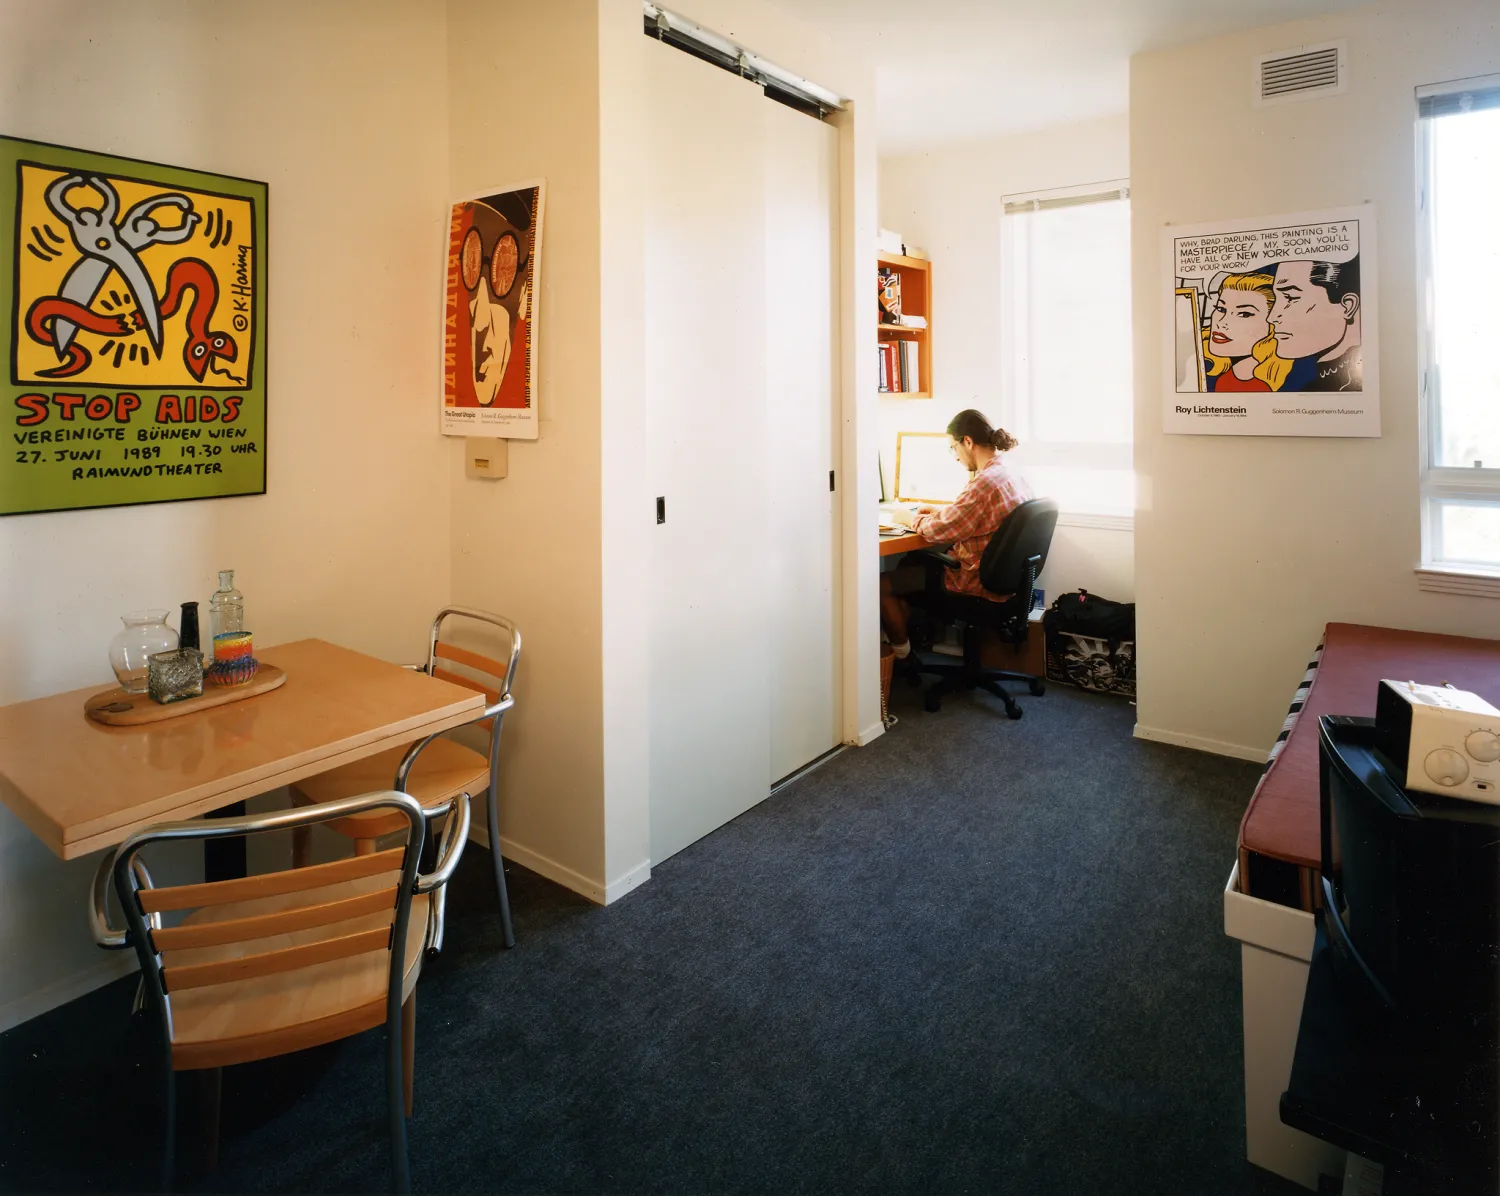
(81, 786)
(891, 545)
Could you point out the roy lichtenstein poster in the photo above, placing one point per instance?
(1271, 326)
(133, 296)
(492, 276)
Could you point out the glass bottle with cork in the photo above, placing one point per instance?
(226, 608)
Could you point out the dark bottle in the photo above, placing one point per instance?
(187, 637)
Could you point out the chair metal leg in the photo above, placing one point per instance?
(408, 1045)
(395, 1098)
(169, 1130)
(209, 1099)
(492, 812)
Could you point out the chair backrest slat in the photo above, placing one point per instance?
(260, 926)
(268, 963)
(269, 884)
(473, 660)
(491, 696)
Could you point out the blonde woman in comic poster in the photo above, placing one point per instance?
(1239, 345)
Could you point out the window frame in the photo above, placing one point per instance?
(1441, 485)
(1018, 415)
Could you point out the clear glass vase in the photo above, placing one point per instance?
(146, 632)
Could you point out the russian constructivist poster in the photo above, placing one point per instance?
(134, 297)
(1271, 326)
(493, 270)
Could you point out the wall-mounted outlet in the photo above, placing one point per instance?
(486, 457)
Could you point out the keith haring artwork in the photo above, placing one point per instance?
(134, 296)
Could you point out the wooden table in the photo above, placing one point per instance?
(891, 545)
(81, 786)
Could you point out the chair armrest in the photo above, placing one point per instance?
(408, 761)
(450, 848)
(105, 935)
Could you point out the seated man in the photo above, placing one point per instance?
(967, 523)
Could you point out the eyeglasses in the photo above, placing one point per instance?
(502, 265)
(953, 447)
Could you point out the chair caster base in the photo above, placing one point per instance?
(1037, 688)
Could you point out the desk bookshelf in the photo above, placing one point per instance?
(916, 300)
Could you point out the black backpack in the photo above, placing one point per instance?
(1088, 614)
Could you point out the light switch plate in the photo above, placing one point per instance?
(486, 456)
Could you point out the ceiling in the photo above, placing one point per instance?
(962, 70)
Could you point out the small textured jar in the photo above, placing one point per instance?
(175, 675)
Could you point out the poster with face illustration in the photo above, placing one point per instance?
(133, 298)
(492, 273)
(1271, 326)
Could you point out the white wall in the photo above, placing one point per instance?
(625, 498)
(1246, 547)
(350, 542)
(948, 201)
(529, 546)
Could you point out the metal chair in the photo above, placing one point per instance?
(269, 964)
(434, 769)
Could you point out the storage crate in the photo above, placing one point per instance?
(1105, 666)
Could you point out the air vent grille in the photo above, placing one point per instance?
(1300, 74)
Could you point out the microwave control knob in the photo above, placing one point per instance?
(1446, 767)
(1484, 746)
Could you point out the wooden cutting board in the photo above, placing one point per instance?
(117, 708)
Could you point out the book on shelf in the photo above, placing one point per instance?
(912, 321)
(899, 371)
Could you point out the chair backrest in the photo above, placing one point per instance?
(502, 675)
(281, 922)
(1007, 566)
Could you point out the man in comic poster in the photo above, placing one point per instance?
(1316, 321)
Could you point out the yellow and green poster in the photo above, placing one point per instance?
(133, 296)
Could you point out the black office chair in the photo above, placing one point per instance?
(1011, 562)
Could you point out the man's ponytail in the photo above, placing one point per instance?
(972, 424)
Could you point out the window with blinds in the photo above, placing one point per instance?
(1065, 347)
(1460, 263)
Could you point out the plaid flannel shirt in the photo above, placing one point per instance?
(970, 520)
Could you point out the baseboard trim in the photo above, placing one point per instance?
(1198, 743)
(870, 734)
(69, 988)
(633, 879)
(551, 869)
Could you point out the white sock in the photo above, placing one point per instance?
(902, 650)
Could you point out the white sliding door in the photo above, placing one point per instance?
(706, 432)
(801, 223)
(741, 428)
